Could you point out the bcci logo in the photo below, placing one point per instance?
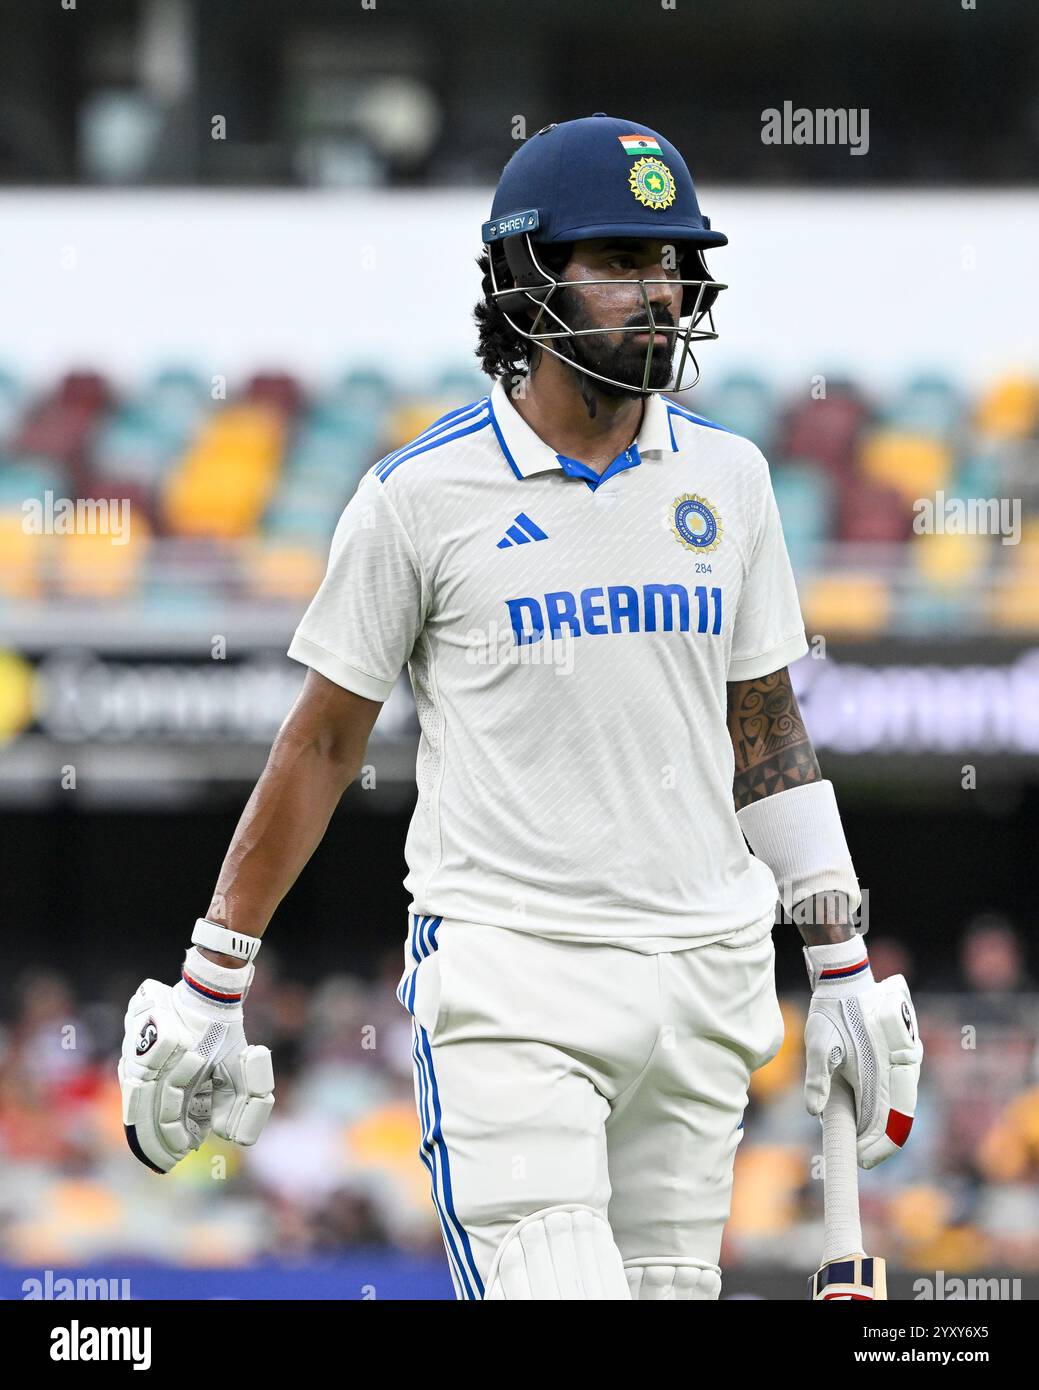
(147, 1038)
(695, 523)
(652, 183)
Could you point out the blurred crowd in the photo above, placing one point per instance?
(338, 1169)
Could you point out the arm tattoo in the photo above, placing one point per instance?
(772, 748)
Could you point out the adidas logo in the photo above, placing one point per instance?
(522, 531)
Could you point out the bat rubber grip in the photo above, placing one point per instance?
(841, 1185)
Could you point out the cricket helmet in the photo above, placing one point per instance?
(590, 178)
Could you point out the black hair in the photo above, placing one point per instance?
(502, 351)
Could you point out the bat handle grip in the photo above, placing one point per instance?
(841, 1184)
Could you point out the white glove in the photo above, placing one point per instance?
(868, 1032)
(186, 1067)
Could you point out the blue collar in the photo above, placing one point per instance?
(574, 468)
(527, 453)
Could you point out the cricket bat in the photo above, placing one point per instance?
(847, 1273)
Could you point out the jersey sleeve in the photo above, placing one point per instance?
(362, 623)
(768, 632)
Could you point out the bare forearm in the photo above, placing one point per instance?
(282, 824)
(824, 919)
(770, 743)
(315, 757)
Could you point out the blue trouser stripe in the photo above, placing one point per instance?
(433, 1149)
(436, 1139)
(428, 1156)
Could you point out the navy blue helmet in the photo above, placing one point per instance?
(592, 178)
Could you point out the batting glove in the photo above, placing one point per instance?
(186, 1068)
(868, 1032)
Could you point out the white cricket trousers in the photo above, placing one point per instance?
(551, 1072)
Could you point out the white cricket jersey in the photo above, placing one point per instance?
(569, 637)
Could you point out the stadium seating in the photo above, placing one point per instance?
(254, 475)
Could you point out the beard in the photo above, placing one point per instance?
(625, 361)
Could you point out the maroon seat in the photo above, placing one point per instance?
(84, 390)
(55, 431)
(277, 389)
(825, 430)
(870, 512)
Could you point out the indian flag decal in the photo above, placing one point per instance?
(639, 144)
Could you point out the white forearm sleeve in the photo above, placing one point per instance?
(798, 834)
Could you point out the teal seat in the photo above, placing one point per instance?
(742, 403)
(981, 473)
(330, 451)
(343, 419)
(926, 611)
(160, 599)
(459, 385)
(309, 526)
(135, 446)
(927, 404)
(25, 477)
(806, 501)
(365, 390)
(177, 400)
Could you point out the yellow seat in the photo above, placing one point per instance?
(282, 571)
(913, 464)
(849, 605)
(949, 561)
(1010, 409)
(408, 421)
(767, 1182)
(1024, 557)
(85, 566)
(225, 480)
(385, 1140)
(1009, 1152)
(20, 554)
(786, 1067)
(1014, 603)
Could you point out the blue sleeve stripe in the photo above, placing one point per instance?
(438, 427)
(480, 423)
(438, 424)
(684, 414)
